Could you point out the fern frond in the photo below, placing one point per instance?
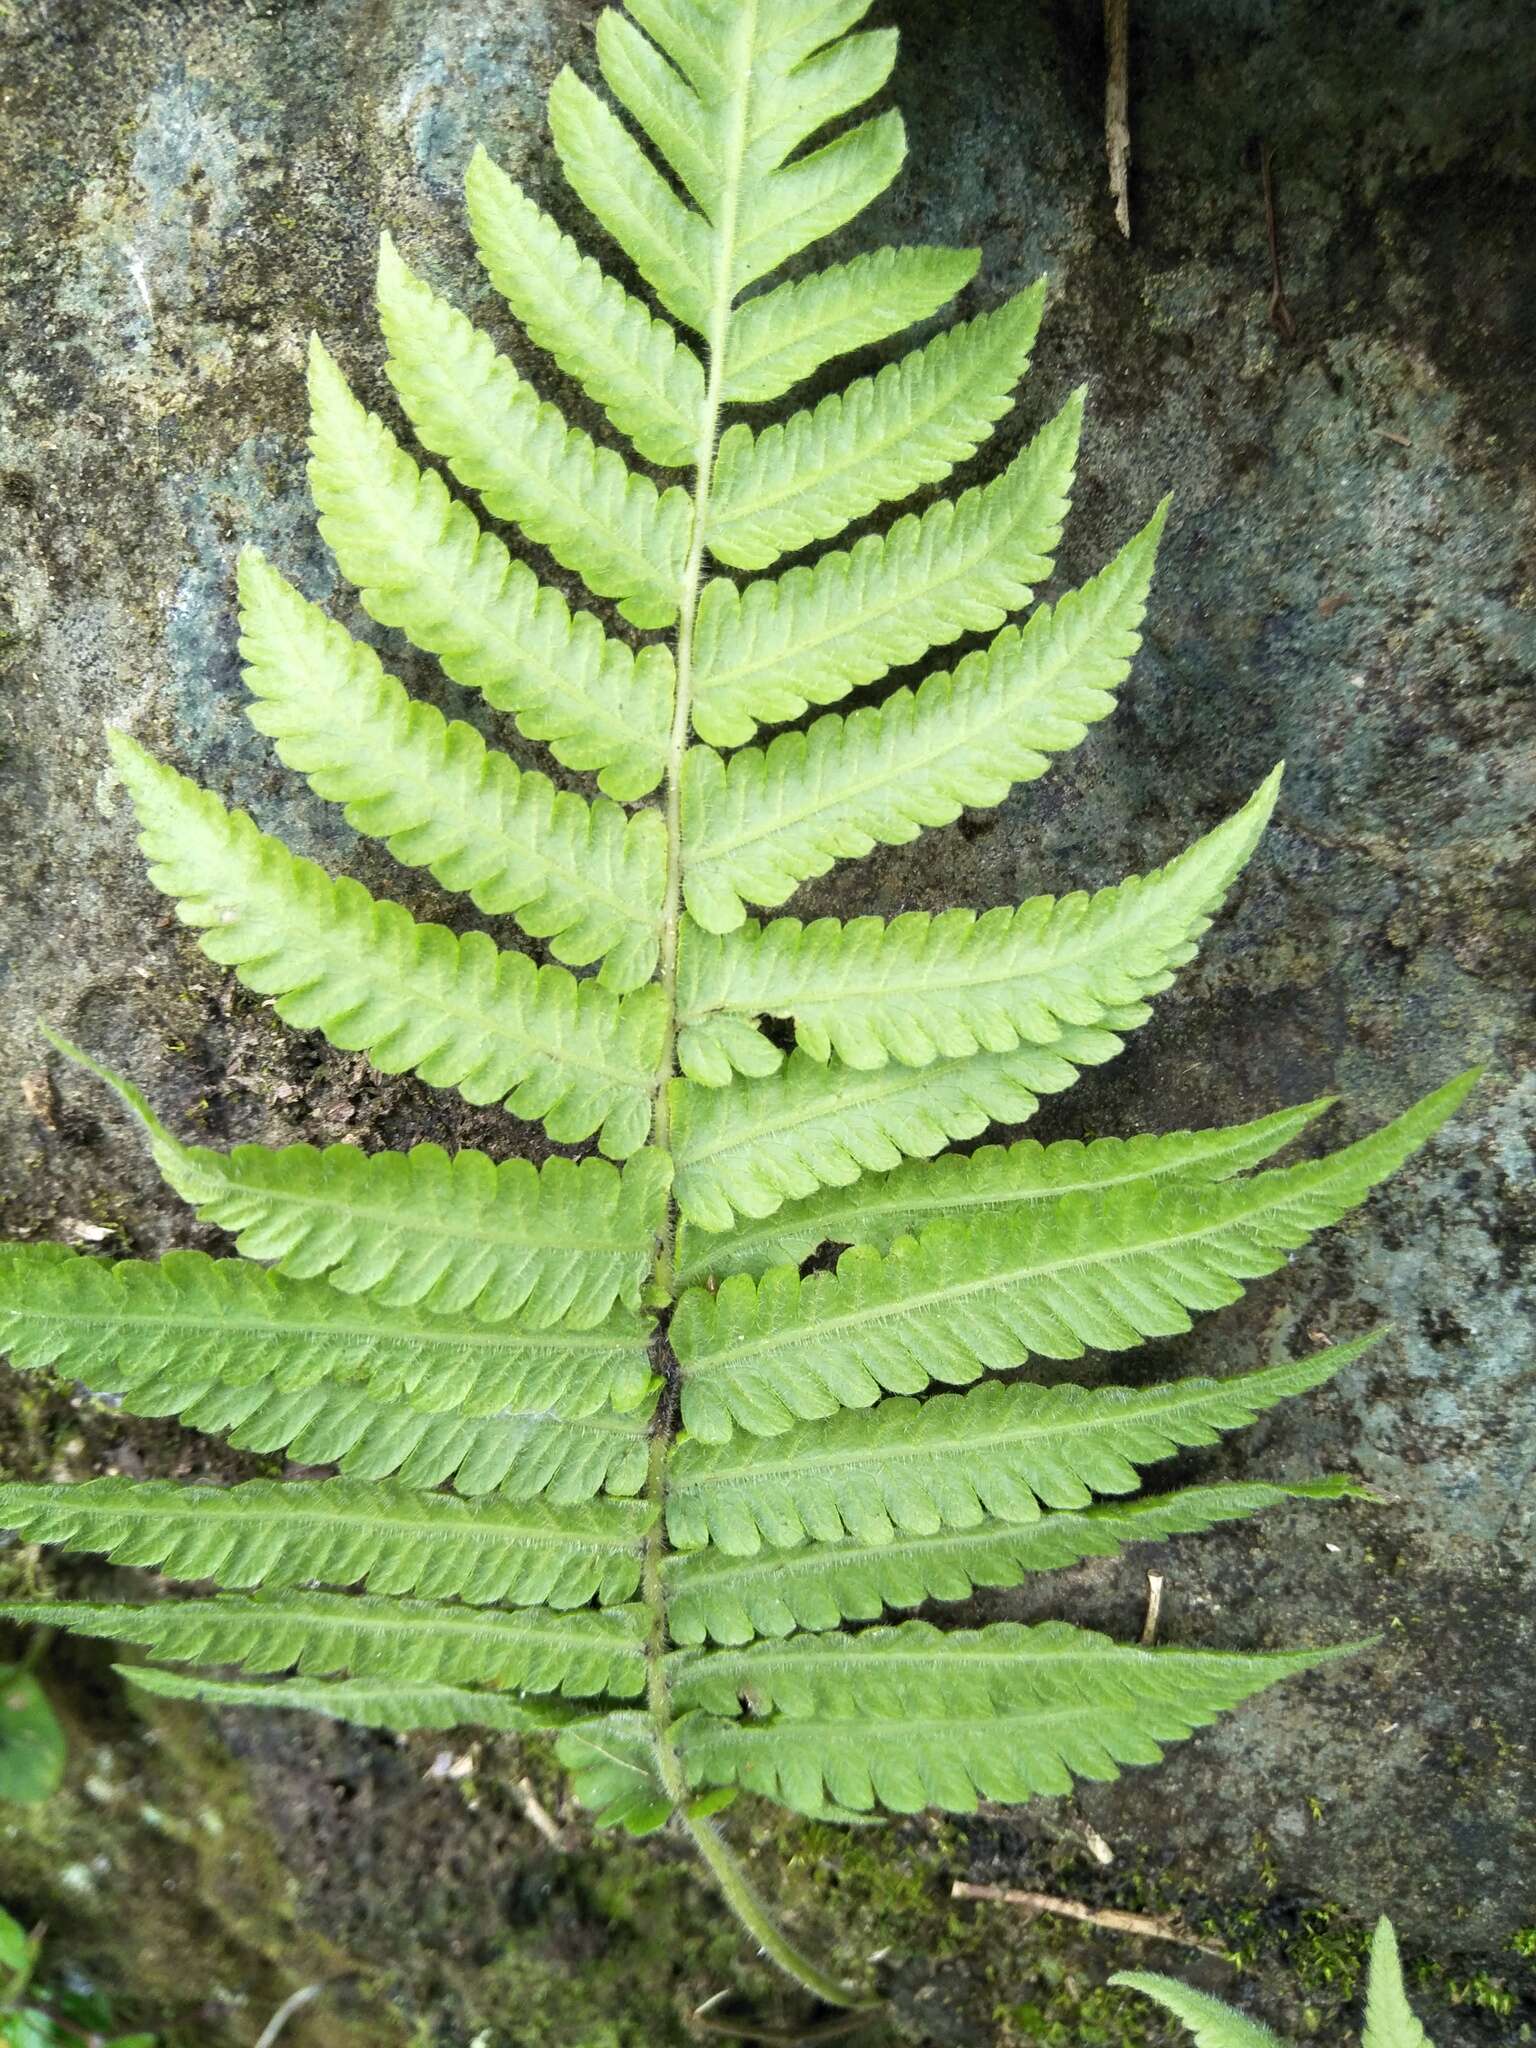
(339, 1532)
(725, 112)
(423, 562)
(189, 1318)
(580, 1653)
(963, 1299)
(557, 1243)
(1390, 2022)
(954, 1460)
(415, 997)
(821, 1585)
(586, 876)
(647, 380)
(365, 1702)
(878, 440)
(914, 1716)
(1213, 2023)
(784, 335)
(922, 987)
(762, 653)
(599, 518)
(880, 1208)
(748, 1149)
(757, 826)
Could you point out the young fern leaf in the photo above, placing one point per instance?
(604, 1462)
(1390, 2021)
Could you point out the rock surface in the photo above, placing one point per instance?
(1347, 582)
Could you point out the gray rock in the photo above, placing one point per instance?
(1347, 582)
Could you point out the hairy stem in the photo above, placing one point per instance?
(742, 1897)
(732, 1880)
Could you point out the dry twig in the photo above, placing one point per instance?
(1108, 1917)
(1154, 1609)
(1117, 98)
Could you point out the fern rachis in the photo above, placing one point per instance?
(677, 1464)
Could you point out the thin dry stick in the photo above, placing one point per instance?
(1281, 317)
(285, 2013)
(1154, 1609)
(538, 1814)
(1117, 100)
(1108, 1917)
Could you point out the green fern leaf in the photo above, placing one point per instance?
(880, 1208)
(614, 1771)
(609, 524)
(921, 988)
(748, 1149)
(964, 1299)
(190, 1317)
(766, 651)
(784, 335)
(1390, 2021)
(912, 1716)
(579, 1654)
(338, 1532)
(757, 826)
(954, 1460)
(422, 562)
(880, 439)
(521, 1452)
(556, 1243)
(585, 876)
(366, 1702)
(647, 380)
(414, 997)
(1213, 2024)
(821, 1585)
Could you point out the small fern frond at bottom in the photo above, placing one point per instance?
(366, 1702)
(914, 1716)
(338, 1532)
(1390, 2021)
(1213, 2023)
(581, 1653)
